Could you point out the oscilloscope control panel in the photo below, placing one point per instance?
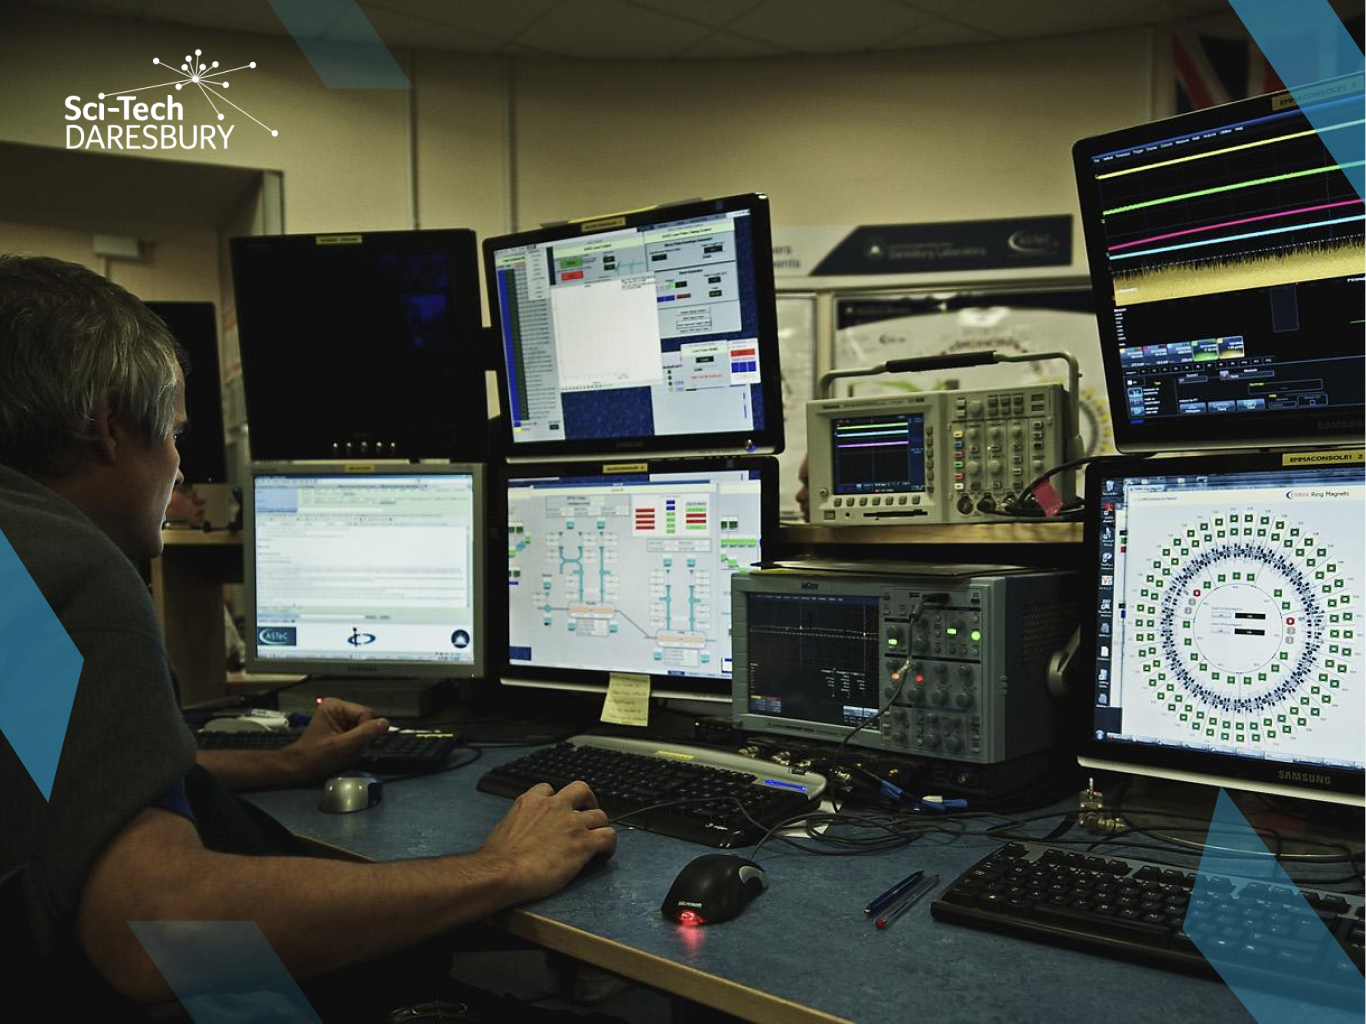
(934, 457)
(816, 654)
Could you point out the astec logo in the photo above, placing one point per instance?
(277, 636)
(161, 133)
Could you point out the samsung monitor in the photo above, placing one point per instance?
(195, 326)
(1226, 642)
(651, 331)
(368, 570)
(628, 568)
(364, 344)
(1226, 255)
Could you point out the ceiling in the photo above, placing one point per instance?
(692, 30)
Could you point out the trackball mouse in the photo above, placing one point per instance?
(712, 888)
(351, 791)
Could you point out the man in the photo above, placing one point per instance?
(91, 401)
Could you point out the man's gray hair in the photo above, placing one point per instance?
(68, 337)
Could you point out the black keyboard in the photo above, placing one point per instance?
(1139, 910)
(711, 787)
(397, 751)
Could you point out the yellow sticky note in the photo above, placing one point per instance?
(628, 699)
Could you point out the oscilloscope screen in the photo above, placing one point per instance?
(813, 658)
(1226, 249)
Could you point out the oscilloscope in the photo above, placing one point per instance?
(939, 457)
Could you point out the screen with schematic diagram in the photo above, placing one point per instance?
(631, 572)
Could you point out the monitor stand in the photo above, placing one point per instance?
(387, 698)
(1181, 813)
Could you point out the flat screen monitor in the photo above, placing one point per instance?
(627, 568)
(1227, 260)
(362, 571)
(1226, 645)
(195, 326)
(364, 344)
(652, 331)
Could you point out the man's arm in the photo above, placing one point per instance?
(337, 733)
(335, 912)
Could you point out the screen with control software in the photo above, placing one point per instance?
(348, 572)
(647, 331)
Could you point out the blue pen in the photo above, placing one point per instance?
(892, 893)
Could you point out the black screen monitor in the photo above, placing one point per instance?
(627, 568)
(1226, 255)
(195, 326)
(358, 571)
(1227, 644)
(652, 331)
(362, 344)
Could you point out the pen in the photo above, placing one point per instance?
(912, 898)
(893, 892)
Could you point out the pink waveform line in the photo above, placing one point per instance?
(872, 444)
(1232, 223)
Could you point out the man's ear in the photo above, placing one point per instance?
(106, 429)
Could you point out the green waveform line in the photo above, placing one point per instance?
(1235, 185)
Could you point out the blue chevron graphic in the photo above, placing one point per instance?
(224, 972)
(1306, 43)
(341, 44)
(39, 670)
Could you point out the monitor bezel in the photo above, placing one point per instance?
(323, 668)
(307, 441)
(1227, 430)
(1205, 767)
(206, 441)
(767, 440)
(712, 689)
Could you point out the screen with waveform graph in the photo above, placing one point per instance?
(1227, 256)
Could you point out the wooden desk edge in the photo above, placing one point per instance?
(636, 964)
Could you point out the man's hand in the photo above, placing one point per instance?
(548, 837)
(334, 739)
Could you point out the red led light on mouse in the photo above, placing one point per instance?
(689, 918)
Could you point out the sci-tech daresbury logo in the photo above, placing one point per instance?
(144, 117)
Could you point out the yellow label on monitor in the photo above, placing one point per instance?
(1347, 457)
(628, 699)
(359, 467)
(627, 467)
(338, 239)
(602, 224)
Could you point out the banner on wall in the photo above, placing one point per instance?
(1012, 243)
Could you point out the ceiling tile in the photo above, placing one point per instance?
(725, 44)
(604, 28)
(708, 12)
(424, 33)
(815, 26)
(502, 20)
(935, 32)
(238, 17)
(1013, 19)
(124, 7)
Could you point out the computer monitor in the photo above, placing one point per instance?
(360, 571)
(627, 568)
(643, 332)
(1226, 642)
(365, 344)
(195, 326)
(1226, 255)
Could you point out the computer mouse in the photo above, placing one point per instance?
(712, 888)
(351, 791)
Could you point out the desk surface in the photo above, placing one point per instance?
(802, 951)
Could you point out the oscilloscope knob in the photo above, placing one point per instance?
(939, 697)
(953, 744)
(974, 408)
(964, 699)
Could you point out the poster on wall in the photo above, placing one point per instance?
(873, 327)
(797, 355)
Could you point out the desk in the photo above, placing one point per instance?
(802, 951)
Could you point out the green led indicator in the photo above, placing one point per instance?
(891, 641)
(976, 635)
(952, 631)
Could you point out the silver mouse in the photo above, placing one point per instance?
(351, 791)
